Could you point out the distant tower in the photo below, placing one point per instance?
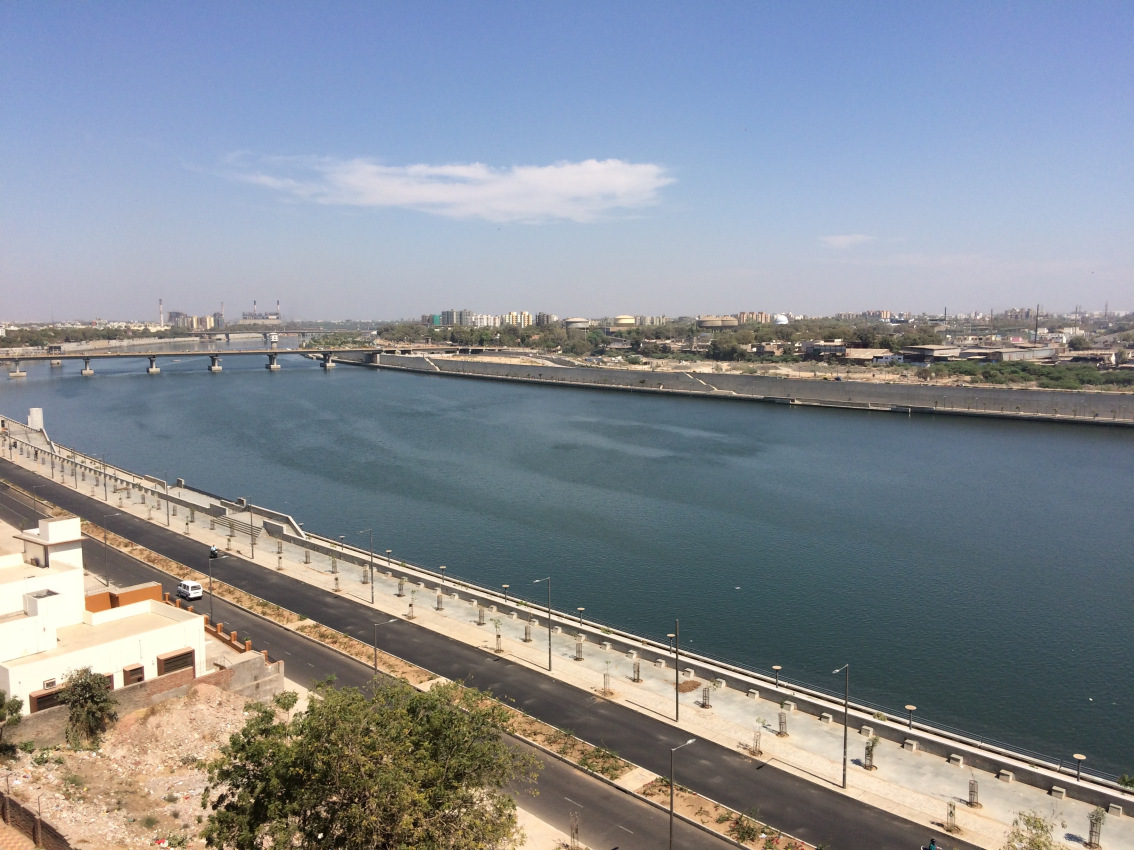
(160, 314)
(277, 308)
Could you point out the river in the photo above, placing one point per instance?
(981, 570)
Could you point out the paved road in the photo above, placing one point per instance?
(811, 811)
(607, 817)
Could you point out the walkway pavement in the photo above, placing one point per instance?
(914, 785)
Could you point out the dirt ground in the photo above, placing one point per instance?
(144, 784)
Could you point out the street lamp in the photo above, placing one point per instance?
(505, 586)
(251, 530)
(675, 639)
(671, 752)
(376, 625)
(214, 555)
(548, 580)
(581, 610)
(777, 668)
(105, 547)
(911, 709)
(371, 531)
(846, 703)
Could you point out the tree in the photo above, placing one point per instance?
(1032, 831)
(1079, 343)
(10, 710)
(397, 769)
(90, 707)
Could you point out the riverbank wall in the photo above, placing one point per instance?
(1096, 408)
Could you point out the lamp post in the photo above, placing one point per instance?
(505, 586)
(214, 555)
(442, 569)
(548, 580)
(580, 610)
(105, 547)
(676, 639)
(376, 625)
(371, 531)
(911, 709)
(1079, 759)
(166, 483)
(671, 752)
(846, 703)
(777, 668)
(251, 530)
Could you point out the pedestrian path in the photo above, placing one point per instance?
(739, 714)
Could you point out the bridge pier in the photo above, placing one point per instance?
(17, 372)
(56, 362)
(328, 363)
(153, 370)
(375, 358)
(272, 366)
(87, 370)
(215, 365)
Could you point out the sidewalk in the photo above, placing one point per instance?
(914, 785)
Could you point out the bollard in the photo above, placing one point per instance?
(528, 632)
(578, 650)
(783, 725)
(173, 510)
(401, 586)
(365, 576)
(440, 600)
(705, 698)
(409, 615)
(974, 794)
(279, 562)
(637, 677)
(480, 615)
(307, 556)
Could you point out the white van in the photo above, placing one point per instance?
(189, 590)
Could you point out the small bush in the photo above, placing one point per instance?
(149, 821)
(27, 746)
(170, 798)
(73, 780)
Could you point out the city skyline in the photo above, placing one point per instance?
(360, 161)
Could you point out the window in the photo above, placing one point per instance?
(179, 660)
(133, 675)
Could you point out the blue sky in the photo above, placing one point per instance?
(377, 160)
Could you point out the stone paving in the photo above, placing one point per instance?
(915, 785)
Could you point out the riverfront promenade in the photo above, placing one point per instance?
(916, 786)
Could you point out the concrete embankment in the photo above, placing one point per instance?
(1099, 408)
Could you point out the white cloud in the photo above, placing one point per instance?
(847, 240)
(576, 191)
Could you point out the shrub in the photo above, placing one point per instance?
(149, 821)
(90, 707)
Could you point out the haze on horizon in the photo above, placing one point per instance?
(381, 161)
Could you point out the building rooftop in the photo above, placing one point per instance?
(87, 636)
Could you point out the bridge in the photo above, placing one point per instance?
(325, 355)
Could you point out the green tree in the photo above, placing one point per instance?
(398, 769)
(1032, 831)
(90, 707)
(10, 710)
(1079, 343)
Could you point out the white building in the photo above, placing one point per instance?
(49, 626)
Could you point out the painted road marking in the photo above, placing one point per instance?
(620, 826)
(573, 803)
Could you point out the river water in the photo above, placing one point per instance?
(981, 570)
